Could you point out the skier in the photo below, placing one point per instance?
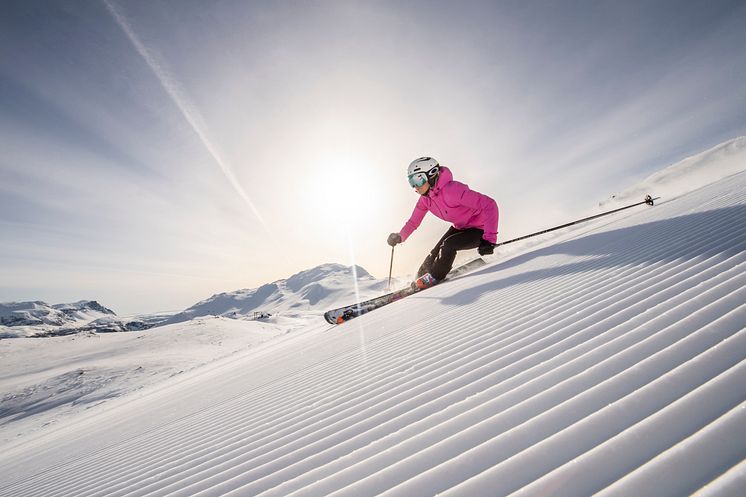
(474, 217)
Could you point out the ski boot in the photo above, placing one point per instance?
(423, 282)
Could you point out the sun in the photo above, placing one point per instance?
(344, 191)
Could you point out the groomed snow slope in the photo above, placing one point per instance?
(45, 381)
(611, 361)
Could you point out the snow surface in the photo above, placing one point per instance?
(608, 359)
(45, 381)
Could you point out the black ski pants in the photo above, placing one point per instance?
(440, 259)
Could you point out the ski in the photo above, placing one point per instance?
(342, 314)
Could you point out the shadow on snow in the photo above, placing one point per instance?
(720, 231)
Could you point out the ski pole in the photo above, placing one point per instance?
(391, 265)
(648, 200)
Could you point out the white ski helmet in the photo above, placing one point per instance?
(422, 170)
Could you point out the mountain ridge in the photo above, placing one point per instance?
(299, 293)
(691, 173)
(38, 312)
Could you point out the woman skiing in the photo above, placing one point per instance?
(474, 217)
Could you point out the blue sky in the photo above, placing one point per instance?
(154, 153)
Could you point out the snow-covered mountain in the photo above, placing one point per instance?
(312, 290)
(608, 359)
(39, 319)
(308, 292)
(38, 313)
(690, 174)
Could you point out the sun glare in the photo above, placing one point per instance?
(343, 191)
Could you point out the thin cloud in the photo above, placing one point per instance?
(189, 112)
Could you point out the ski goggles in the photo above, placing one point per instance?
(416, 180)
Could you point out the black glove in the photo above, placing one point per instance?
(394, 238)
(485, 247)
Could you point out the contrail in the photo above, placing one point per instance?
(190, 114)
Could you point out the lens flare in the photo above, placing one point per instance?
(361, 330)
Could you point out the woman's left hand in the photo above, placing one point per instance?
(485, 247)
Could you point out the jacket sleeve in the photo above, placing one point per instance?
(418, 214)
(481, 202)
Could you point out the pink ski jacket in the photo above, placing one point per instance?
(454, 202)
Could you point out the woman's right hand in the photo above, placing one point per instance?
(394, 238)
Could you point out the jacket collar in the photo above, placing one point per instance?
(444, 177)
